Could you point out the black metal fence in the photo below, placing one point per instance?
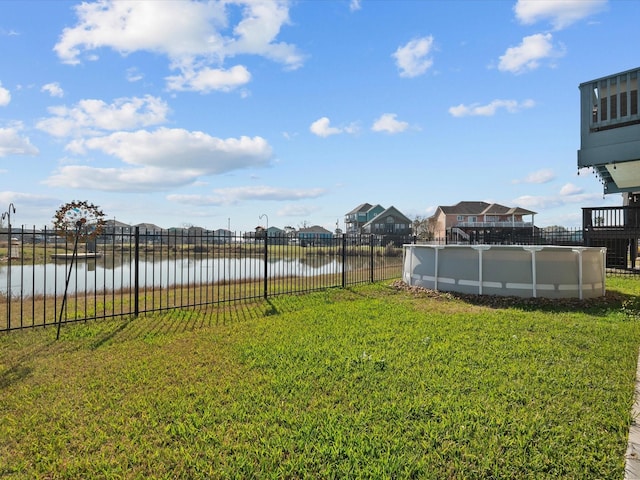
(129, 272)
(617, 229)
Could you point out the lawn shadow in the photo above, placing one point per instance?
(14, 374)
(110, 334)
(181, 320)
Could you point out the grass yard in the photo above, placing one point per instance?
(367, 382)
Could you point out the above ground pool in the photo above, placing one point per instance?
(507, 270)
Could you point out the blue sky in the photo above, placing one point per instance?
(215, 113)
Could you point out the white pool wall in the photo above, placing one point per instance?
(507, 270)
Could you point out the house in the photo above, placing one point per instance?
(222, 235)
(197, 235)
(174, 236)
(359, 216)
(115, 231)
(148, 229)
(481, 222)
(610, 130)
(148, 232)
(277, 236)
(610, 147)
(388, 222)
(114, 226)
(315, 235)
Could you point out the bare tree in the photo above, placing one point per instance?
(423, 228)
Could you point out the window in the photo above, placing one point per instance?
(633, 92)
(460, 218)
(603, 100)
(623, 96)
(613, 99)
(614, 106)
(595, 101)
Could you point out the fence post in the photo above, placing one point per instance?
(371, 241)
(344, 260)
(9, 252)
(136, 273)
(266, 262)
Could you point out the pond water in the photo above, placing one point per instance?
(112, 273)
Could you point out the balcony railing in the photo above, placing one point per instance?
(608, 218)
(500, 224)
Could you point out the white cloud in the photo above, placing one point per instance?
(234, 195)
(529, 54)
(475, 109)
(413, 58)
(197, 200)
(13, 143)
(143, 25)
(5, 96)
(26, 199)
(541, 176)
(322, 128)
(203, 37)
(256, 32)
(179, 149)
(568, 195)
(561, 13)
(297, 210)
(133, 75)
(144, 179)
(159, 160)
(388, 123)
(208, 79)
(570, 189)
(269, 193)
(355, 5)
(53, 89)
(289, 135)
(94, 116)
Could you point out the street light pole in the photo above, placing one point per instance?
(265, 215)
(7, 215)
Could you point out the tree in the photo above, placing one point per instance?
(423, 228)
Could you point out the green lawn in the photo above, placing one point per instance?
(368, 382)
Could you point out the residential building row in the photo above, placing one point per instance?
(466, 221)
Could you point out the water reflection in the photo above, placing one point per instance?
(113, 272)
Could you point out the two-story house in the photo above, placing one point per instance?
(388, 222)
(359, 216)
(610, 146)
(481, 222)
(610, 130)
(116, 231)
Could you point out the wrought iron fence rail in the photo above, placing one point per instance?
(129, 272)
